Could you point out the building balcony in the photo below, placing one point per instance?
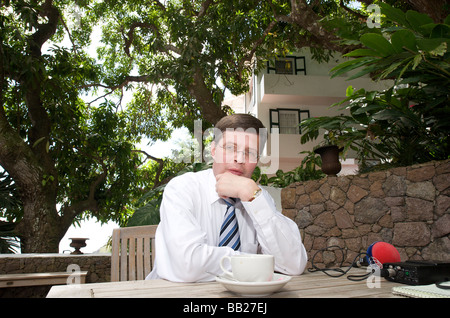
(280, 89)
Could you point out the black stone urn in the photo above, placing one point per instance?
(330, 159)
(77, 243)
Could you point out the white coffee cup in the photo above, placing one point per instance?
(250, 267)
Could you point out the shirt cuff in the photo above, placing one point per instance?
(262, 208)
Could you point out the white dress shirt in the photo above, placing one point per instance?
(188, 235)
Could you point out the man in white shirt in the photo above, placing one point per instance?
(193, 208)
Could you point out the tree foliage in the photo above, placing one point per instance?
(69, 159)
(184, 52)
(408, 123)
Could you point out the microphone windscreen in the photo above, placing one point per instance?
(384, 252)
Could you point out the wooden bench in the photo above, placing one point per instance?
(39, 279)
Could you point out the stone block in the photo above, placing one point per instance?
(288, 198)
(442, 181)
(422, 190)
(395, 186)
(369, 210)
(438, 250)
(441, 227)
(420, 174)
(302, 201)
(303, 219)
(343, 219)
(356, 193)
(442, 205)
(338, 196)
(325, 220)
(316, 197)
(419, 210)
(411, 234)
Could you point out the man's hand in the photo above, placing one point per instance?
(229, 185)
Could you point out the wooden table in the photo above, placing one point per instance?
(311, 285)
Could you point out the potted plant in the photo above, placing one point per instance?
(330, 159)
(332, 145)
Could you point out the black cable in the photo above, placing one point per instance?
(338, 269)
(439, 285)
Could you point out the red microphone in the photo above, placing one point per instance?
(383, 252)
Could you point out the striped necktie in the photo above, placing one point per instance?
(229, 232)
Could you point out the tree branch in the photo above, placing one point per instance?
(41, 125)
(160, 168)
(159, 160)
(204, 97)
(353, 12)
(204, 8)
(256, 45)
(160, 5)
(303, 16)
(130, 34)
(45, 31)
(126, 81)
(68, 213)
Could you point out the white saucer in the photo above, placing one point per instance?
(254, 289)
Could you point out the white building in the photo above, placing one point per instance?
(296, 87)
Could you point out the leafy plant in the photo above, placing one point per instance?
(305, 171)
(407, 123)
(9, 242)
(336, 129)
(148, 211)
(10, 210)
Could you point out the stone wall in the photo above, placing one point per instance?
(98, 267)
(408, 207)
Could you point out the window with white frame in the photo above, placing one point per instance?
(287, 120)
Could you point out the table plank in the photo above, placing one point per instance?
(200, 290)
(337, 291)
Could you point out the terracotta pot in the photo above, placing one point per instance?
(330, 159)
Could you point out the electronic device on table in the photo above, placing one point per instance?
(417, 272)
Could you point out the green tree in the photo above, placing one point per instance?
(69, 159)
(184, 52)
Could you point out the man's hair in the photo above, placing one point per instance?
(244, 122)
